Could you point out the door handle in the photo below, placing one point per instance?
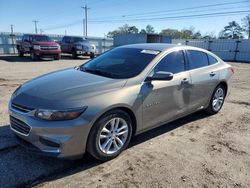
(212, 74)
(185, 81)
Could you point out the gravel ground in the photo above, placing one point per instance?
(195, 151)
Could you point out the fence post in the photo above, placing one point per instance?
(209, 45)
(236, 49)
(12, 41)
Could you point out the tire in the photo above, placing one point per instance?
(219, 95)
(74, 54)
(33, 56)
(57, 57)
(92, 56)
(104, 145)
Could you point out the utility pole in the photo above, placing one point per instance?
(85, 20)
(35, 22)
(12, 37)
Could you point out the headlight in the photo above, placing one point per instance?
(36, 47)
(57, 115)
(79, 47)
(58, 47)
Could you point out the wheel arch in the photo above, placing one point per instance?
(224, 84)
(124, 108)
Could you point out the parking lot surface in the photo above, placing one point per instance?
(195, 151)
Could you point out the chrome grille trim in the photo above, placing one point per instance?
(49, 47)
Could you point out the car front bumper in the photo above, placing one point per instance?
(47, 53)
(83, 52)
(62, 139)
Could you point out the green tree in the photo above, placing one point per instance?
(246, 25)
(173, 33)
(182, 34)
(148, 30)
(125, 29)
(232, 31)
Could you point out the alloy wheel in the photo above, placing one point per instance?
(218, 99)
(113, 135)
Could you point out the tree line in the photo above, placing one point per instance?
(233, 30)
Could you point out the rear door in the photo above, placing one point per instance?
(65, 44)
(204, 78)
(166, 100)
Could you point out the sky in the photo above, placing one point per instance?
(66, 16)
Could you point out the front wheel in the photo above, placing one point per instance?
(34, 57)
(74, 54)
(110, 135)
(92, 56)
(57, 57)
(217, 100)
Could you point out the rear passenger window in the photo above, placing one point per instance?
(211, 59)
(173, 62)
(197, 59)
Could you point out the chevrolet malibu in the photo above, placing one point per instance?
(98, 106)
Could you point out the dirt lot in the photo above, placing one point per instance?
(196, 151)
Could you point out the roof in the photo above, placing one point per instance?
(152, 46)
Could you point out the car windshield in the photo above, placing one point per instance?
(41, 38)
(120, 63)
(79, 39)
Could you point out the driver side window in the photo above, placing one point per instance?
(173, 62)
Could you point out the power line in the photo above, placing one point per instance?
(177, 13)
(218, 14)
(172, 17)
(187, 8)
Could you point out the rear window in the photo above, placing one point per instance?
(197, 59)
(211, 59)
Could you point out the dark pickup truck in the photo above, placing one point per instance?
(77, 46)
(38, 46)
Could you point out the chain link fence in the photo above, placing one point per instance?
(8, 42)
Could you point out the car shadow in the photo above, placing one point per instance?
(34, 169)
(26, 58)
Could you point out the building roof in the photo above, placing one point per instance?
(152, 46)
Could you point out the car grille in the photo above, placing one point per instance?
(49, 47)
(21, 108)
(19, 126)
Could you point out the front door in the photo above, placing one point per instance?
(166, 100)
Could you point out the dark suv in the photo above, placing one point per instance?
(38, 46)
(77, 46)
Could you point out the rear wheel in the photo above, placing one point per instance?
(217, 100)
(110, 135)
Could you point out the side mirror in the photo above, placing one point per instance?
(160, 75)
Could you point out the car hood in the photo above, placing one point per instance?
(63, 89)
(83, 44)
